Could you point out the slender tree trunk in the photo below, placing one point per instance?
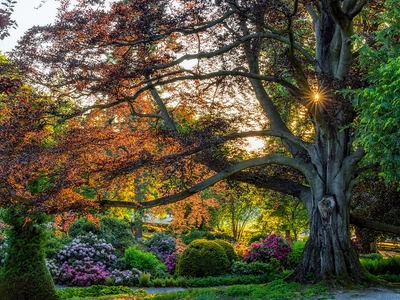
(138, 224)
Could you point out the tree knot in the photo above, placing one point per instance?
(326, 206)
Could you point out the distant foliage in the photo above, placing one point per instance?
(257, 237)
(202, 258)
(195, 234)
(274, 246)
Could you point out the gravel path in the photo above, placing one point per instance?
(372, 293)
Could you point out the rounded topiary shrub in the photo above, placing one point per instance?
(229, 251)
(202, 258)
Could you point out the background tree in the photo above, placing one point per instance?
(238, 206)
(258, 62)
(288, 211)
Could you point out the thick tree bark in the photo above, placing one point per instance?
(328, 254)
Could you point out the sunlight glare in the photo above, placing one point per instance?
(254, 144)
(189, 64)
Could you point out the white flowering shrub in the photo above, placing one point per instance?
(89, 260)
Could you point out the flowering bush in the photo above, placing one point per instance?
(3, 250)
(87, 249)
(84, 274)
(171, 261)
(356, 244)
(161, 244)
(274, 246)
(88, 260)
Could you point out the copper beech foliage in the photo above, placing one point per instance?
(117, 79)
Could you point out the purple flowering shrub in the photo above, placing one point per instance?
(3, 250)
(89, 260)
(161, 245)
(170, 262)
(272, 247)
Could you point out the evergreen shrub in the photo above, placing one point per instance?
(229, 251)
(202, 258)
(384, 266)
(372, 256)
(144, 261)
(294, 257)
(255, 268)
(25, 275)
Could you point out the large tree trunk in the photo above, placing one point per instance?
(328, 254)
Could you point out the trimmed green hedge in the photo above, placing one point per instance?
(97, 291)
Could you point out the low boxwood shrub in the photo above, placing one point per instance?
(390, 277)
(371, 256)
(202, 258)
(97, 291)
(255, 268)
(144, 261)
(226, 280)
(384, 266)
(229, 251)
